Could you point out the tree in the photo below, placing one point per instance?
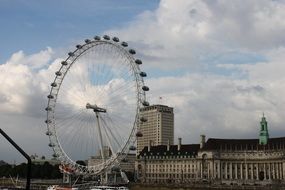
(45, 171)
(81, 162)
(5, 170)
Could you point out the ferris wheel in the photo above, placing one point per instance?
(94, 105)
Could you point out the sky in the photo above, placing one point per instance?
(220, 63)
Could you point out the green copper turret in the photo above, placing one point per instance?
(263, 135)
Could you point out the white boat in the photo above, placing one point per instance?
(122, 188)
(109, 188)
(57, 187)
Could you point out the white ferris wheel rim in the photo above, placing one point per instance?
(138, 75)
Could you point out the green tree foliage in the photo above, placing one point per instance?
(39, 171)
(5, 170)
(81, 162)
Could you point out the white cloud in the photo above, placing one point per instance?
(24, 85)
(193, 35)
(186, 33)
(20, 81)
(254, 25)
(219, 106)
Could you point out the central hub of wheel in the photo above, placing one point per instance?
(95, 108)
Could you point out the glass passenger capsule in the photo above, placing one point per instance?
(145, 88)
(124, 44)
(106, 37)
(132, 51)
(138, 61)
(116, 39)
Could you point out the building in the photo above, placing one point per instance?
(156, 126)
(221, 161)
(113, 175)
(168, 163)
(97, 159)
(126, 164)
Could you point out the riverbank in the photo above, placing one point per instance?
(204, 187)
(42, 185)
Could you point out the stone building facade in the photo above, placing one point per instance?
(168, 163)
(157, 126)
(221, 161)
(242, 161)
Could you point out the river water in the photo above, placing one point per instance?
(137, 187)
(156, 188)
(205, 187)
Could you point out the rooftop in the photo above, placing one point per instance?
(243, 144)
(187, 149)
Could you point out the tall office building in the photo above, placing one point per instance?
(156, 126)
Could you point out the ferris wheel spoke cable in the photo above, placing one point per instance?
(120, 98)
(68, 120)
(81, 128)
(128, 84)
(71, 97)
(101, 91)
(70, 132)
(99, 130)
(89, 136)
(117, 117)
(99, 135)
(125, 64)
(79, 93)
(63, 113)
(120, 89)
(75, 79)
(92, 135)
(81, 80)
(115, 129)
(109, 75)
(122, 69)
(114, 93)
(70, 94)
(70, 129)
(100, 70)
(79, 141)
(118, 92)
(107, 137)
(64, 107)
(107, 127)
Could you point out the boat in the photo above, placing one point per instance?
(57, 187)
(109, 188)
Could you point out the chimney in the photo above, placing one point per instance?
(149, 145)
(179, 144)
(202, 143)
(168, 144)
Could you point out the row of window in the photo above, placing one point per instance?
(171, 170)
(170, 166)
(149, 175)
(249, 166)
(168, 157)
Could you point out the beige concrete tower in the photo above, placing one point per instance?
(158, 126)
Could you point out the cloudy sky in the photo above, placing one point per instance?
(220, 63)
